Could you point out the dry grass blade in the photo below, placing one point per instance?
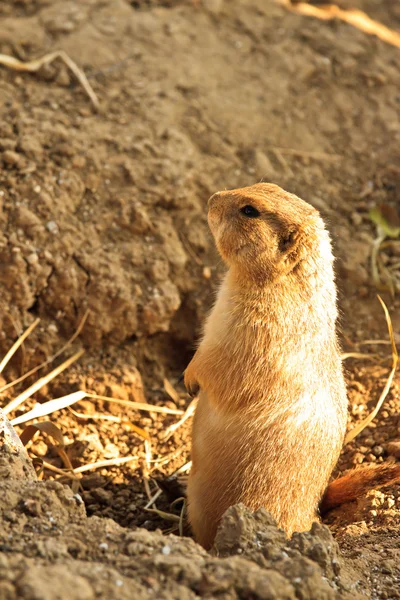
(17, 344)
(34, 65)
(41, 382)
(53, 431)
(146, 468)
(140, 432)
(95, 416)
(51, 358)
(184, 468)
(166, 458)
(189, 412)
(358, 428)
(354, 17)
(62, 472)
(372, 342)
(164, 515)
(171, 391)
(137, 405)
(99, 417)
(42, 410)
(105, 463)
(47, 427)
(182, 518)
(153, 499)
(359, 355)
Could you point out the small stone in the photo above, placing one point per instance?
(79, 162)
(52, 227)
(378, 450)
(358, 458)
(207, 273)
(388, 566)
(393, 448)
(103, 546)
(11, 158)
(356, 218)
(32, 259)
(166, 550)
(63, 78)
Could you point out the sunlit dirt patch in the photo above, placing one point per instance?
(354, 17)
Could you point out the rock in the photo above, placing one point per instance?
(10, 158)
(54, 582)
(393, 448)
(14, 460)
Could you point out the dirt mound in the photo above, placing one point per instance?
(46, 540)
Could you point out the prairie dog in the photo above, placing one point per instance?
(272, 409)
(271, 415)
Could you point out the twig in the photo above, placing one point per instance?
(153, 499)
(171, 391)
(51, 358)
(371, 342)
(358, 428)
(189, 412)
(146, 468)
(33, 66)
(95, 416)
(164, 515)
(181, 518)
(137, 405)
(41, 382)
(357, 18)
(105, 463)
(62, 472)
(183, 469)
(359, 355)
(17, 344)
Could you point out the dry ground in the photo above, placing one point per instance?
(106, 211)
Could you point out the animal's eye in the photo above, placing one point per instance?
(250, 211)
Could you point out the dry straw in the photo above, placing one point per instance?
(358, 428)
(34, 65)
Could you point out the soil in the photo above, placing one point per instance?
(106, 211)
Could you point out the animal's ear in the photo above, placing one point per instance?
(289, 239)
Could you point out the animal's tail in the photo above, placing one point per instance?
(358, 482)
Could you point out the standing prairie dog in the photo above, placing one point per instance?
(271, 416)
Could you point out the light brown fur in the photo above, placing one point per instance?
(272, 408)
(271, 415)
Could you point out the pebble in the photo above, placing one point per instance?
(32, 259)
(378, 450)
(358, 458)
(207, 273)
(52, 227)
(103, 546)
(393, 448)
(11, 158)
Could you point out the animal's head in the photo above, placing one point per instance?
(266, 232)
